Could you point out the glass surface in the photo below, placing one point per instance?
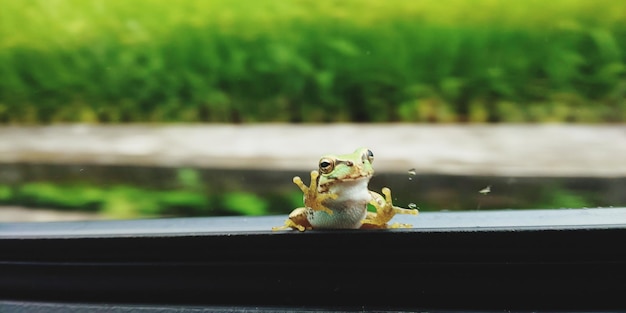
(134, 109)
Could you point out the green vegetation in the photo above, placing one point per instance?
(124, 201)
(312, 61)
(188, 195)
(120, 201)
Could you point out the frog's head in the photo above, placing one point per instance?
(354, 167)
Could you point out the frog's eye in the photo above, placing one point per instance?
(327, 165)
(369, 155)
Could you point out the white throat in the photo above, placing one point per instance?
(354, 191)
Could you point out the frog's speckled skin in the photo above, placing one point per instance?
(338, 197)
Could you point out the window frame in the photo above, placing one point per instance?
(526, 260)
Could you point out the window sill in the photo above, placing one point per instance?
(534, 259)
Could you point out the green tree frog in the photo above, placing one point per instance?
(337, 197)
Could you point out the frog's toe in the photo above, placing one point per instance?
(387, 192)
(314, 175)
(375, 220)
(277, 228)
(398, 210)
(298, 181)
(291, 224)
(400, 225)
(299, 227)
(373, 225)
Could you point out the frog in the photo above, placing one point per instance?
(337, 197)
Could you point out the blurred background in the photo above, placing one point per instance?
(151, 108)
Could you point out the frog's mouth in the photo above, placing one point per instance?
(354, 189)
(346, 182)
(356, 177)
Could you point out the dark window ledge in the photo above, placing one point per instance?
(570, 259)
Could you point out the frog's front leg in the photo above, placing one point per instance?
(385, 211)
(297, 220)
(313, 199)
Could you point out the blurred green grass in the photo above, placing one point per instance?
(127, 202)
(312, 61)
(190, 195)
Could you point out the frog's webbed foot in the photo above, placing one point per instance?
(297, 220)
(313, 199)
(385, 211)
